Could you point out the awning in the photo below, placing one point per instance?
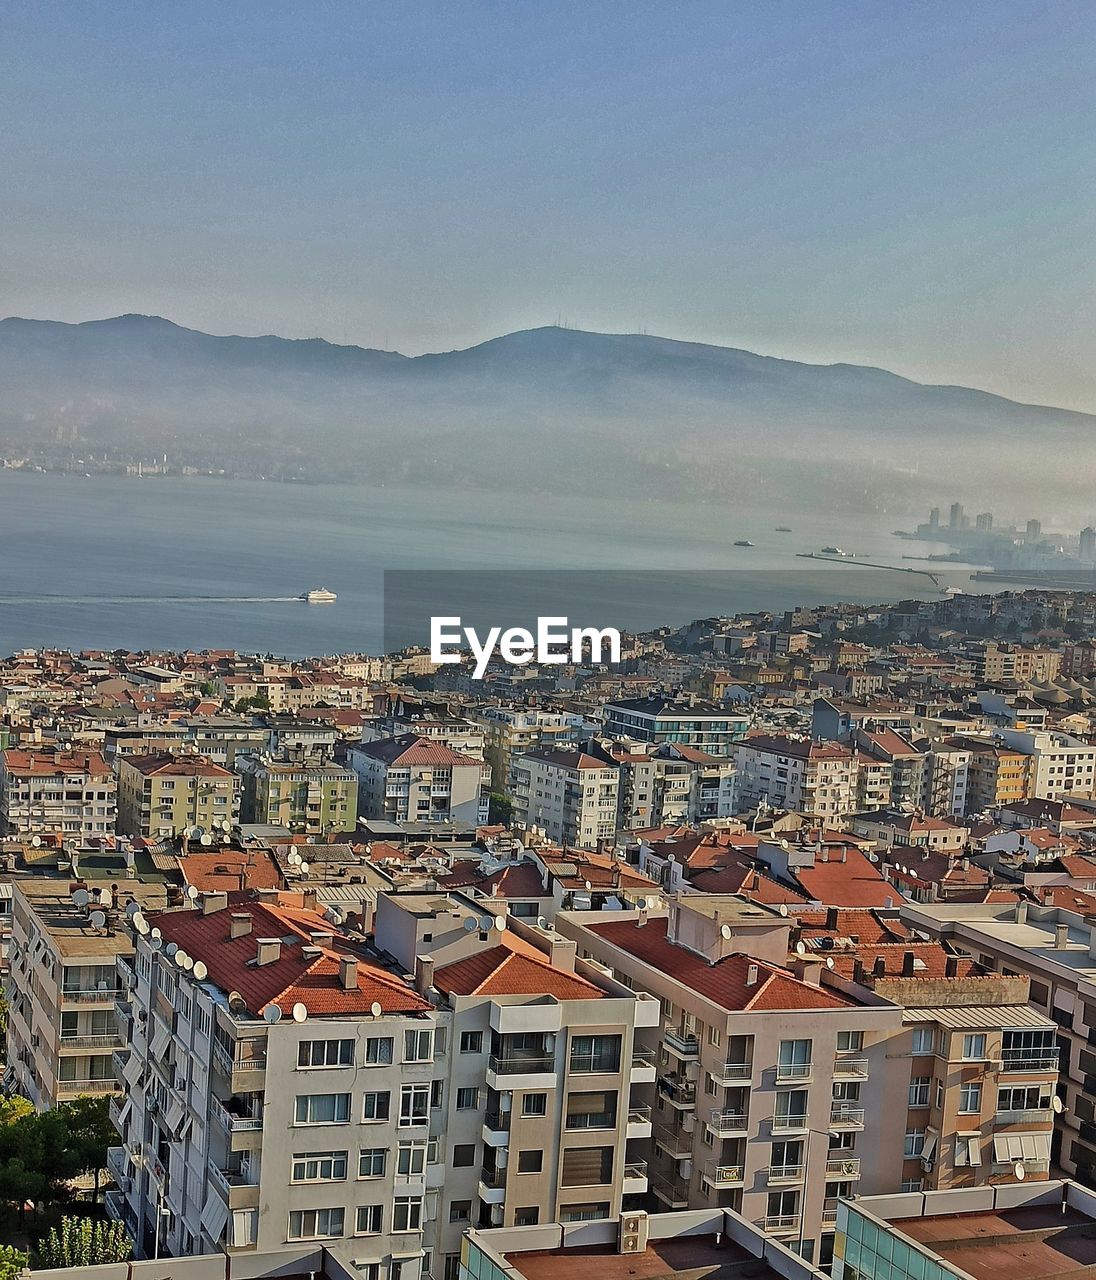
(1010, 1147)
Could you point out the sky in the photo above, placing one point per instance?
(911, 185)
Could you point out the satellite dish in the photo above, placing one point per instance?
(587, 885)
(783, 909)
(873, 857)
(206, 840)
(1057, 1105)
(98, 919)
(335, 915)
(196, 833)
(304, 868)
(132, 908)
(294, 858)
(171, 949)
(157, 935)
(200, 970)
(725, 931)
(272, 1014)
(800, 948)
(375, 1009)
(829, 962)
(486, 922)
(140, 923)
(192, 891)
(36, 841)
(180, 957)
(542, 922)
(156, 943)
(499, 923)
(1019, 1170)
(81, 897)
(300, 1012)
(469, 925)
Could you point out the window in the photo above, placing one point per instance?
(915, 1144)
(587, 1167)
(436, 1092)
(970, 1097)
(532, 1104)
(319, 1166)
(592, 1110)
(794, 1062)
(414, 1104)
(584, 1212)
(714, 1037)
(919, 1091)
(913, 1184)
(974, 1048)
(375, 1106)
(464, 1155)
(372, 1161)
(467, 1098)
(322, 1108)
(471, 1042)
(460, 1211)
(369, 1219)
(378, 1051)
(791, 1109)
(411, 1159)
(595, 1053)
(530, 1161)
(407, 1213)
(417, 1046)
(527, 1216)
(315, 1224)
(325, 1053)
(1024, 1098)
(850, 1041)
(922, 1040)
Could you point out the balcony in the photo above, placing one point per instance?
(728, 1124)
(849, 1168)
(635, 1178)
(492, 1186)
(847, 1066)
(74, 1088)
(682, 1045)
(89, 995)
(111, 1041)
(594, 1064)
(794, 1122)
(680, 1094)
(496, 1128)
(729, 1073)
(783, 1225)
(673, 1192)
(846, 1117)
(1029, 1059)
(236, 1188)
(789, 1072)
(245, 1132)
(643, 1067)
(1032, 1115)
(118, 1165)
(639, 1122)
(723, 1175)
(829, 1213)
(779, 1174)
(677, 1145)
(523, 1071)
(119, 1058)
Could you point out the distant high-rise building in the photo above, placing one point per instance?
(1034, 530)
(1088, 544)
(955, 516)
(934, 518)
(984, 522)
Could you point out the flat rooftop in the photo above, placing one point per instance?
(694, 1257)
(1014, 1244)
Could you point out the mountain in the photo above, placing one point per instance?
(548, 409)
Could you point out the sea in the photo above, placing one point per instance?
(170, 563)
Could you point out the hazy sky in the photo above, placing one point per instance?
(908, 184)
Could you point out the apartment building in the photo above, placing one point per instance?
(1059, 764)
(161, 795)
(765, 1074)
(995, 662)
(71, 792)
(416, 779)
(815, 778)
(281, 1086)
(571, 795)
(1056, 950)
(704, 725)
(996, 775)
(308, 794)
(511, 732)
(62, 986)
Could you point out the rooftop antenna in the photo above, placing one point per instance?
(272, 1014)
(200, 971)
(375, 1009)
(300, 1012)
(98, 919)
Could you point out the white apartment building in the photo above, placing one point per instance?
(62, 986)
(281, 1087)
(815, 778)
(1060, 764)
(510, 732)
(571, 795)
(71, 792)
(417, 779)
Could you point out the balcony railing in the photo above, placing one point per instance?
(682, 1043)
(681, 1093)
(1029, 1115)
(90, 995)
(843, 1168)
(497, 1120)
(112, 1041)
(532, 1063)
(846, 1116)
(785, 1173)
(87, 1086)
(493, 1177)
(635, 1169)
(724, 1175)
(1029, 1059)
(605, 1064)
(671, 1191)
(791, 1123)
(793, 1070)
(639, 1115)
(850, 1067)
(675, 1141)
(829, 1213)
(724, 1122)
(237, 1124)
(643, 1058)
(728, 1072)
(779, 1224)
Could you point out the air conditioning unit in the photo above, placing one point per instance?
(633, 1231)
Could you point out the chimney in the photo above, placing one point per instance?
(268, 951)
(751, 975)
(1021, 912)
(214, 902)
(858, 970)
(1061, 935)
(561, 953)
(879, 969)
(424, 974)
(907, 964)
(831, 919)
(348, 973)
(310, 900)
(239, 924)
(951, 967)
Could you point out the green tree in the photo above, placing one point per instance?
(500, 808)
(11, 1261)
(15, 1108)
(90, 1134)
(84, 1242)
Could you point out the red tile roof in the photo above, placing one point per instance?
(48, 764)
(309, 977)
(410, 748)
(177, 766)
(854, 882)
(512, 969)
(725, 982)
(519, 881)
(230, 870)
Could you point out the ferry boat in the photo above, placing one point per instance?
(743, 542)
(320, 595)
(833, 551)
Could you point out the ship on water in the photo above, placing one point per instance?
(319, 595)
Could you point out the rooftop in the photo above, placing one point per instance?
(691, 1257)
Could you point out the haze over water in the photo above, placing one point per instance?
(172, 563)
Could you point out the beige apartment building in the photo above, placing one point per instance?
(62, 986)
(511, 732)
(308, 795)
(160, 795)
(570, 795)
(766, 1075)
(70, 792)
(796, 773)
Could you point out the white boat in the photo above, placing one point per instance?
(320, 595)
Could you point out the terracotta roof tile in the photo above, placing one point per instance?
(509, 970)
